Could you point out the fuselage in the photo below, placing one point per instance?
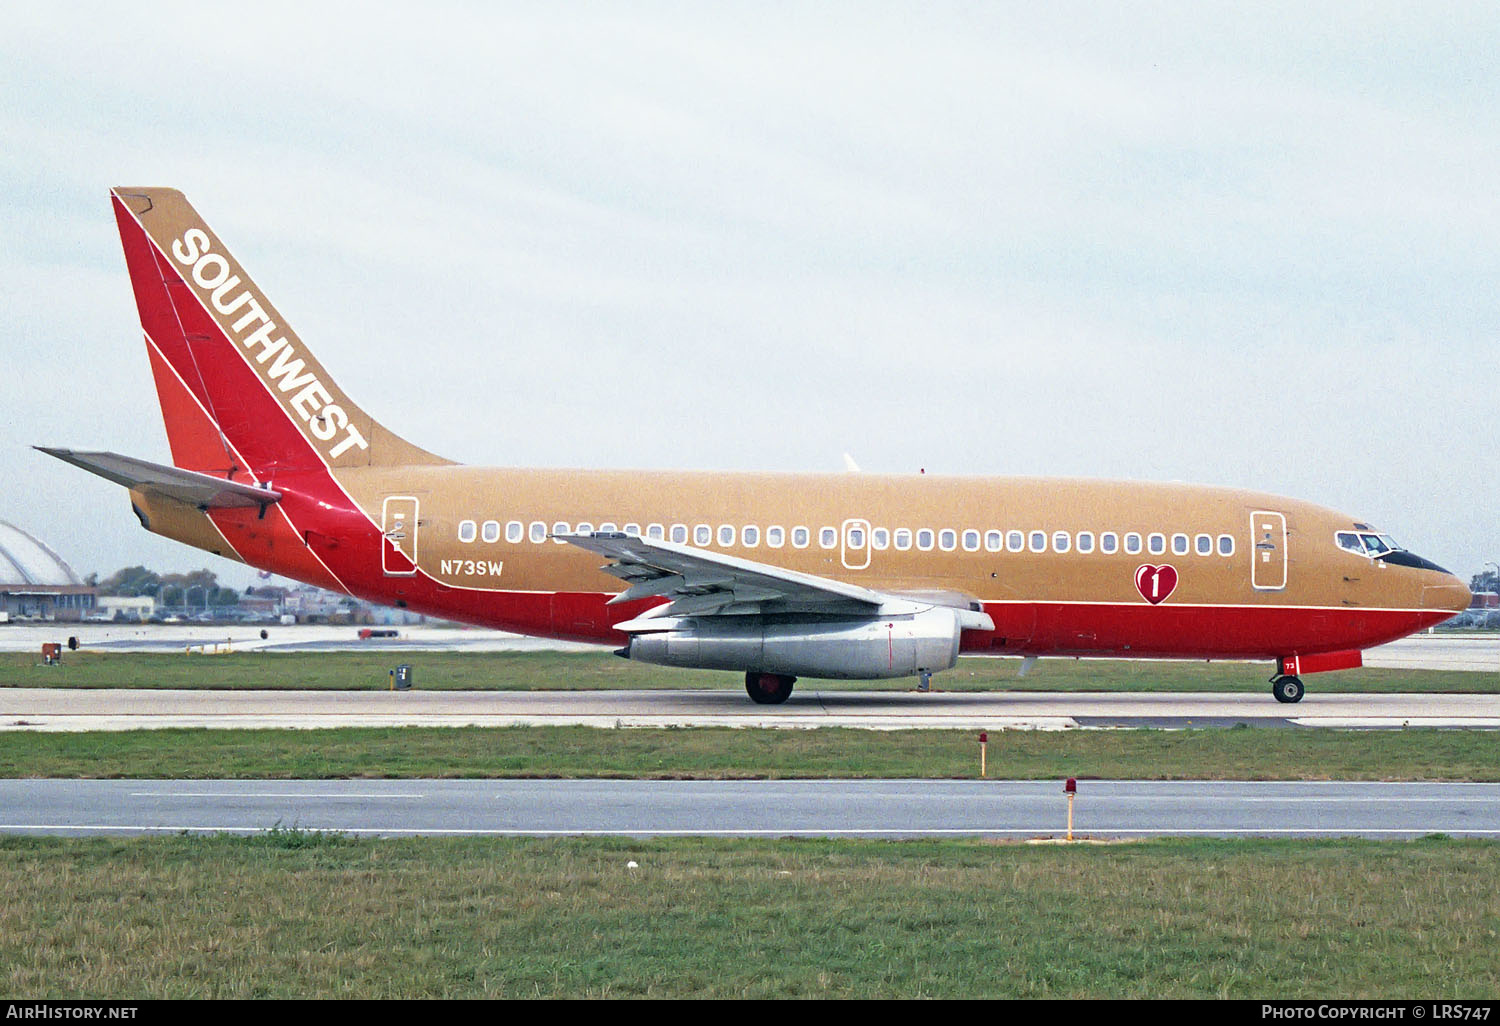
(1054, 562)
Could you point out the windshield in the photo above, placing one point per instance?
(1367, 543)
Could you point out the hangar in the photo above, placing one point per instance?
(35, 582)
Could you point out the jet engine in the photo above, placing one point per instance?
(867, 648)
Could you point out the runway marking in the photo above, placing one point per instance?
(273, 794)
(1218, 800)
(1048, 831)
(1394, 722)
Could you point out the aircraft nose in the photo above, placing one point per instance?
(1449, 593)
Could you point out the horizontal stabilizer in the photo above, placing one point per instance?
(201, 490)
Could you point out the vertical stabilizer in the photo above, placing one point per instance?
(238, 389)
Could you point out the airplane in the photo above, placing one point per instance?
(777, 576)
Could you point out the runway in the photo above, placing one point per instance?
(1421, 651)
(61, 709)
(808, 808)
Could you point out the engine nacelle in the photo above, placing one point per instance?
(853, 649)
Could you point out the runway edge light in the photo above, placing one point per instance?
(984, 739)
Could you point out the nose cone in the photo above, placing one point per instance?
(1447, 593)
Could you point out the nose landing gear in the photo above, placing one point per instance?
(1286, 688)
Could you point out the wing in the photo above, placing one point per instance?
(699, 582)
(201, 490)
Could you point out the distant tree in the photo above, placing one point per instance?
(131, 582)
(1487, 581)
(198, 585)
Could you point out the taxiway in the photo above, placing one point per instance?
(65, 709)
(824, 808)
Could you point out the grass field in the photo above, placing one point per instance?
(724, 753)
(442, 671)
(300, 915)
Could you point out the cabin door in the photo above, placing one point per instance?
(1268, 558)
(398, 549)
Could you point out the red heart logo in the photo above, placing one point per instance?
(1155, 583)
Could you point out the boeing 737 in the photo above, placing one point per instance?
(778, 576)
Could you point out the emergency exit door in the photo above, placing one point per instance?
(1268, 550)
(856, 544)
(398, 550)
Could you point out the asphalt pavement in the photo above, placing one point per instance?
(824, 808)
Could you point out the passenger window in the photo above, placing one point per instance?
(655, 531)
(994, 541)
(609, 529)
(1226, 545)
(971, 541)
(1015, 541)
(466, 531)
(1157, 543)
(1133, 543)
(514, 531)
(1038, 541)
(903, 538)
(1204, 544)
(800, 537)
(1180, 544)
(679, 533)
(702, 534)
(947, 539)
(726, 535)
(491, 531)
(856, 538)
(633, 530)
(750, 535)
(924, 539)
(828, 538)
(538, 531)
(583, 528)
(1061, 542)
(880, 539)
(1085, 541)
(775, 537)
(1109, 543)
(561, 527)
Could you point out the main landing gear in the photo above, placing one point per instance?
(1286, 689)
(768, 688)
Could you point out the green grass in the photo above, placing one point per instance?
(295, 915)
(509, 671)
(725, 753)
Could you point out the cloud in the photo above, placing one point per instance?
(1246, 246)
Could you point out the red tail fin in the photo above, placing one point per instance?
(238, 389)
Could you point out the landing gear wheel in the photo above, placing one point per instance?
(1287, 689)
(768, 688)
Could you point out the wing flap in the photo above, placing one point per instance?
(187, 486)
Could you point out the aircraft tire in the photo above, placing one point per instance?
(1287, 689)
(768, 688)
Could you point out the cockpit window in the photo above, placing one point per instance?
(1376, 545)
(1350, 541)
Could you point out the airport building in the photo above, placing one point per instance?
(35, 583)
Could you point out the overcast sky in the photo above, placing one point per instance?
(1250, 245)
